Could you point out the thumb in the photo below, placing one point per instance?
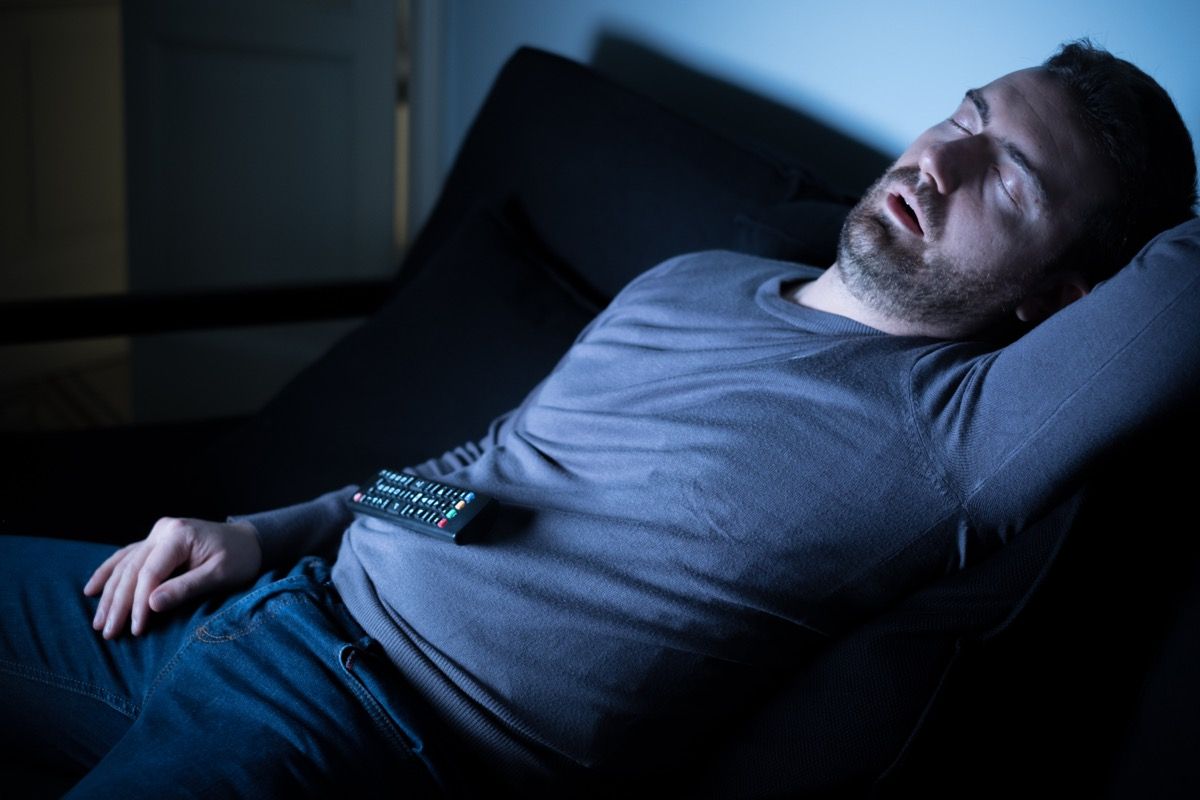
(183, 587)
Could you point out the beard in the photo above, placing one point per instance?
(908, 278)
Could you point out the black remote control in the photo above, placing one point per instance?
(448, 512)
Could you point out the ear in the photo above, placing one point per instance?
(1054, 293)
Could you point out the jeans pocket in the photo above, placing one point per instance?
(366, 687)
(385, 703)
(241, 615)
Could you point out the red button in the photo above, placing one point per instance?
(442, 523)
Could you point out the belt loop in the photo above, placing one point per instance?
(317, 570)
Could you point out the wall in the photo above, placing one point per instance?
(877, 71)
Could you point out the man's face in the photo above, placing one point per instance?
(960, 229)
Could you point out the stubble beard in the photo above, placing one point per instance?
(908, 279)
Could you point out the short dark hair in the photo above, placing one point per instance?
(1135, 126)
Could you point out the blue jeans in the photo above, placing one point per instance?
(272, 692)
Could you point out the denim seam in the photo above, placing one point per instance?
(167, 669)
(114, 701)
(374, 709)
(200, 634)
(206, 636)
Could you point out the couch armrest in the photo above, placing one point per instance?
(27, 321)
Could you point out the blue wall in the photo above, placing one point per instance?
(879, 71)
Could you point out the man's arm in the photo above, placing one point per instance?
(286, 534)
(136, 580)
(1022, 424)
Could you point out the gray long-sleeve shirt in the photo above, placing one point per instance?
(715, 480)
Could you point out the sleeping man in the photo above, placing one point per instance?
(735, 461)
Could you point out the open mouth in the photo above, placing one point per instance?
(904, 213)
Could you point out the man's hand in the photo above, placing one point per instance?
(136, 580)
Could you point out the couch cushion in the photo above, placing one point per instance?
(456, 346)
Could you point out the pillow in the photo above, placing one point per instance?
(805, 231)
(463, 341)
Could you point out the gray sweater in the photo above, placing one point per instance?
(713, 481)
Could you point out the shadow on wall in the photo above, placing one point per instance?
(846, 164)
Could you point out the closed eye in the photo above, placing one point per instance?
(1004, 186)
(996, 169)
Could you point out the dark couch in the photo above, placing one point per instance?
(1065, 661)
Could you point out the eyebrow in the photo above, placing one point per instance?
(1015, 153)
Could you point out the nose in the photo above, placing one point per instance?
(950, 164)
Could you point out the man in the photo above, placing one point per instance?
(735, 461)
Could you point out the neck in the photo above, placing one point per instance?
(830, 294)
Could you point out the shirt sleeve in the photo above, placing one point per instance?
(286, 534)
(289, 533)
(1016, 428)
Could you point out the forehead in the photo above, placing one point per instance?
(1035, 112)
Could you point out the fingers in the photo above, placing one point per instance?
(158, 566)
(96, 582)
(181, 587)
(118, 595)
(103, 608)
(107, 576)
(131, 575)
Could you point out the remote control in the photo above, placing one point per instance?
(448, 512)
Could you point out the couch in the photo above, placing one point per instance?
(1066, 661)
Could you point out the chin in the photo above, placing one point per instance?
(932, 297)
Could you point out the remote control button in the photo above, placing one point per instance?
(420, 504)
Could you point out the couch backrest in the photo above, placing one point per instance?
(608, 181)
